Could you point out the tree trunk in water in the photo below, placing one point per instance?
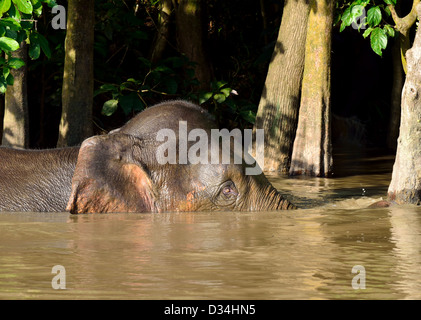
(190, 38)
(77, 95)
(278, 107)
(163, 32)
(312, 152)
(15, 121)
(396, 95)
(405, 186)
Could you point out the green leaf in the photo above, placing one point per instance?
(44, 45)
(130, 102)
(220, 84)
(163, 69)
(352, 13)
(14, 13)
(134, 81)
(11, 34)
(6, 72)
(38, 40)
(356, 11)
(389, 30)
(50, 3)
(374, 16)
(3, 84)
(8, 44)
(219, 97)
(367, 32)
(15, 63)
(10, 23)
(4, 6)
(106, 88)
(205, 97)
(109, 107)
(24, 6)
(34, 50)
(37, 6)
(248, 115)
(346, 19)
(378, 40)
(10, 80)
(226, 92)
(393, 2)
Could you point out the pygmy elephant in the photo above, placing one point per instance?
(127, 170)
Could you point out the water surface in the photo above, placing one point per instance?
(304, 254)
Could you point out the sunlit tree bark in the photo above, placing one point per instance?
(403, 25)
(16, 119)
(280, 100)
(77, 95)
(405, 186)
(312, 152)
(163, 30)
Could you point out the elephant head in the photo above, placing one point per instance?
(124, 172)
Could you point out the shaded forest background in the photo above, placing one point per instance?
(239, 38)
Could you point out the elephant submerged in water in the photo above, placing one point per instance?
(124, 172)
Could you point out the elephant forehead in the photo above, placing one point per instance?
(227, 170)
(168, 115)
(211, 175)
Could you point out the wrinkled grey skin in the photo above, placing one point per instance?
(136, 182)
(119, 172)
(36, 180)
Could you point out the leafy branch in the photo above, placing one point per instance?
(380, 21)
(372, 17)
(17, 25)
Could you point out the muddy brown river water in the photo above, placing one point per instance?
(309, 253)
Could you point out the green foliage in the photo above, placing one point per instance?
(378, 40)
(219, 93)
(371, 16)
(17, 25)
(127, 81)
(162, 80)
(165, 80)
(24, 6)
(221, 102)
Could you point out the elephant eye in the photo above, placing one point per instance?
(228, 189)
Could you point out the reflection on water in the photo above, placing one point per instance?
(305, 254)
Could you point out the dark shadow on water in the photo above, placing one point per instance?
(357, 161)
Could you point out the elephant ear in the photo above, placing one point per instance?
(109, 177)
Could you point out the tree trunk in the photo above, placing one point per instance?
(403, 25)
(278, 107)
(77, 95)
(405, 186)
(16, 119)
(163, 32)
(190, 38)
(312, 152)
(395, 100)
